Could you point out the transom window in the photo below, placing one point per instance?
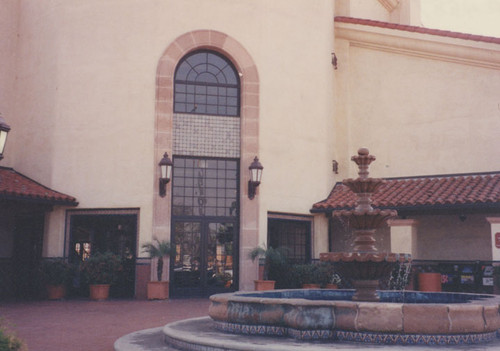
(205, 187)
(206, 83)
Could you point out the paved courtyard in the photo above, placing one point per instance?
(78, 325)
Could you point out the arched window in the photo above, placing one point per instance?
(206, 83)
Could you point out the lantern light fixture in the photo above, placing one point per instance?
(255, 177)
(166, 165)
(4, 130)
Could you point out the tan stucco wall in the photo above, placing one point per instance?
(8, 41)
(421, 104)
(86, 94)
(446, 237)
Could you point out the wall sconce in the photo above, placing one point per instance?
(4, 130)
(165, 173)
(335, 167)
(255, 177)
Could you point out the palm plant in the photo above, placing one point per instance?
(275, 260)
(158, 249)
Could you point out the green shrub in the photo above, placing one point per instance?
(9, 341)
(55, 272)
(102, 268)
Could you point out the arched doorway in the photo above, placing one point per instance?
(246, 230)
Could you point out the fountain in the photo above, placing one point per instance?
(365, 266)
(363, 315)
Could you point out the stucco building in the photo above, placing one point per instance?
(96, 92)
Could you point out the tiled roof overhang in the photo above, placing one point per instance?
(440, 192)
(15, 186)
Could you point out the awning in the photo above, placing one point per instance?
(17, 187)
(458, 191)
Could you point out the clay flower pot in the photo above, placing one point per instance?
(99, 292)
(55, 292)
(158, 290)
(429, 282)
(261, 285)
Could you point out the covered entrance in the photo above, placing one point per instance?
(204, 226)
(23, 206)
(102, 231)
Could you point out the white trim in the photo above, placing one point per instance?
(434, 47)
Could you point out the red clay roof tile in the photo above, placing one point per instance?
(423, 30)
(16, 186)
(447, 190)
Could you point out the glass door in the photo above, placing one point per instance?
(205, 215)
(204, 262)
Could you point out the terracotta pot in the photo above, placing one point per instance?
(430, 282)
(331, 286)
(99, 291)
(311, 286)
(158, 290)
(55, 292)
(261, 285)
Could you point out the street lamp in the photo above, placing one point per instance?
(4, 130)
(255, 177)
(165, 173)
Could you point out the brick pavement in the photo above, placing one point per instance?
(79, 325)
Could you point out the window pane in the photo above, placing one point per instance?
(205, 186)
(209, 72)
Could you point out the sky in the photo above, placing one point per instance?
(468, 16)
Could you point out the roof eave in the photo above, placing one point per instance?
(37, 200)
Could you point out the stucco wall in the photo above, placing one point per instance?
(421, 104)
(86, 94)
(446, 237)
(8, 41)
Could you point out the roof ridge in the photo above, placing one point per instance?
(418, 29)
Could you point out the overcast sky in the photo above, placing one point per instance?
(468, 16)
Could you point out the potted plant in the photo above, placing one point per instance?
(158, 249)
(335, 281)
(429, 280)
(275, 264)
(101, 271)
(55, 274)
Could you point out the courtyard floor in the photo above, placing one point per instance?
(79, 325)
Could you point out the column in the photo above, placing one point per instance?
(495, 237)
(404, 236)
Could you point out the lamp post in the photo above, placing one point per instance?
(165, 173)
(255, 177)
(4, 130)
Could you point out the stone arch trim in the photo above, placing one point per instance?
(249, 114)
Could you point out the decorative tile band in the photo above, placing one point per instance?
(201, 135)
(351, 336)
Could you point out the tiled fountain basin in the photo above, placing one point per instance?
(421, 318)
